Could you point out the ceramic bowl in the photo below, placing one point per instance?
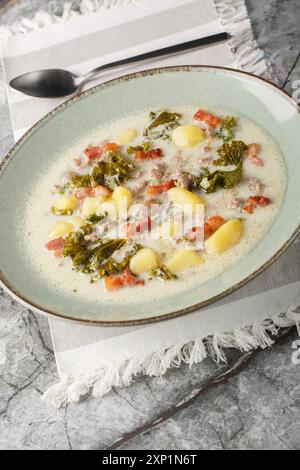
(213, 87)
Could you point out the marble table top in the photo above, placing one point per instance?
(253, 402)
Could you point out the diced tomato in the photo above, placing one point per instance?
(110, 146)
(95, 152)
(248, 208)
(83, 192)
(210, 119)
(156, 153)
(258, 201)
(211, 225)
(253, 201)
(113, 283)
(130, 280)
(132, 229)
(55, 245)
(160, 188)
(101, 191)
(150, 155)
(140, 155)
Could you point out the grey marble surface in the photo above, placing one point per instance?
(253, 402)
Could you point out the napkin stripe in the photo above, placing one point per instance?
(105, 42)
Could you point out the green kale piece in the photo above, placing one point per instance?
(145, 146)
(226, 129)
(94, 218)
(162, 122)
(208, 182)
(111, 267)
(113, 172)
(117, 170)
(62, 189)
(88, 255)
(231, 153)
(80, 181)
(162, 272)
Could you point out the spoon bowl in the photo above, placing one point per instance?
(49, 83)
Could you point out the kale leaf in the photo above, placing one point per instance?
(145, 146)
(113, 172)
(88, 256)
(162, 122)
(111, 267)
(231, 153)
(162, 272)
(226, 129)
(208, 182)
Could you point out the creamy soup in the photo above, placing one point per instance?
(153, 204)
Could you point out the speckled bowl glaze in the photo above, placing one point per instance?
(213, 87)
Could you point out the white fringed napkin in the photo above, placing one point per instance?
(99, 358)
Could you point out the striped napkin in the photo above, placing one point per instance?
(99, 358)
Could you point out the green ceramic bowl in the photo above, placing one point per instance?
(257, 99)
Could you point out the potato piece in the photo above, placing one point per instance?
(77, 222)
(110, 207)
(91, 206)
(121, 194)
(186, 199)
(126, 136)
(123, 199)
(184, 259)
(171, 229)
(59, 229)
(188, 136)
(66, 203)
(225, 237)
(143, 261)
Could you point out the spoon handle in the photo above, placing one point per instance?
(206, 41)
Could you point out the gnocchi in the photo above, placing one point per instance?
(144, 260)
(188, 136)
(184, 259)
(225, 237)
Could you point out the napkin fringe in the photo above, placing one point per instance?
(99, 383)
(245, 50)
(42, 19)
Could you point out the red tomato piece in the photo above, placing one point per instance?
(253, 201)
(113, 283)
(211, 225)
(210, 119)
(150, 155)
(95, 152)
(126, 279)
(160, 188)
(55, 245)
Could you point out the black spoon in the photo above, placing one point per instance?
(54, 83)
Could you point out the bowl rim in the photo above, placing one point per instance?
(13, 292)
